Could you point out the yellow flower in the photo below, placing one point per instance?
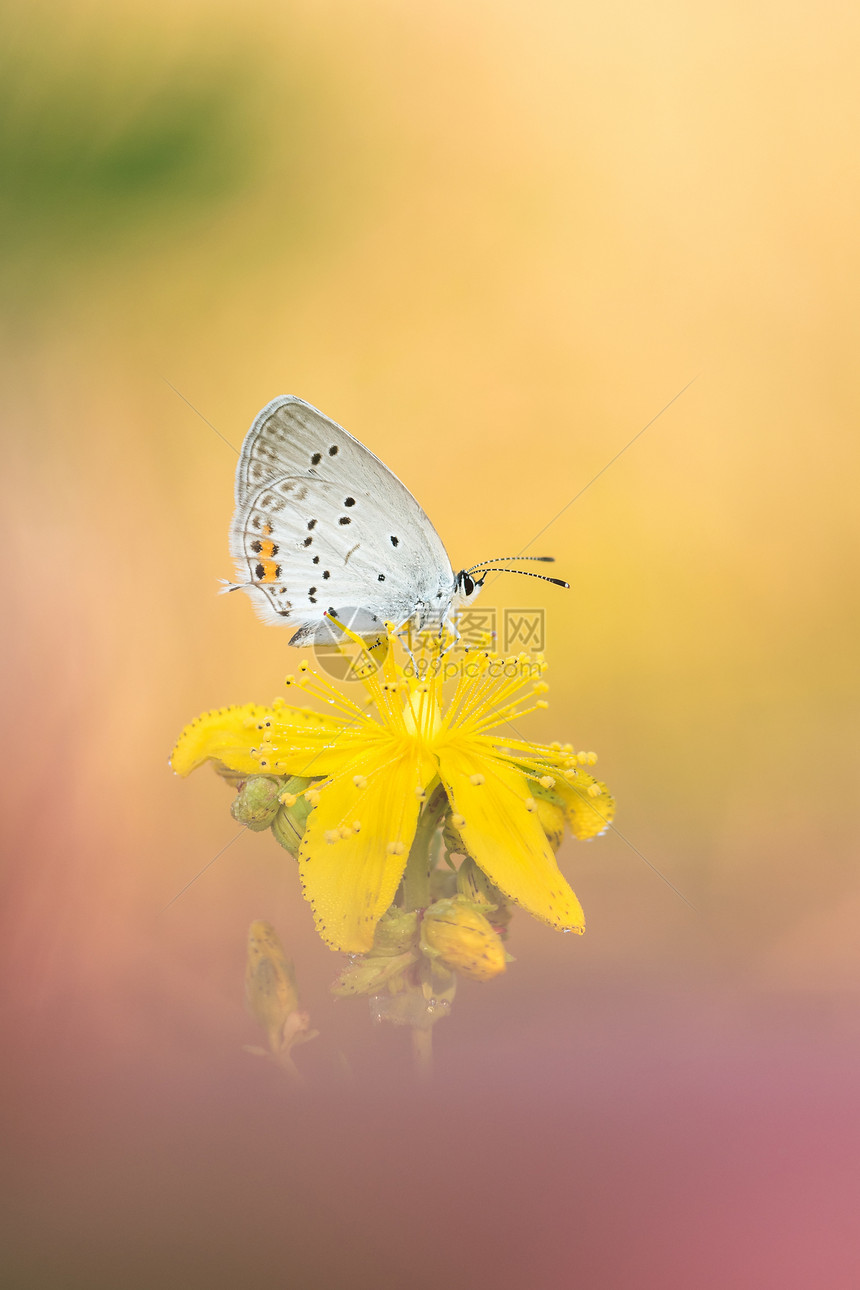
(374, 772)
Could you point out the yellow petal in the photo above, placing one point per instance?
(506, 838)
(350, 881)
(589, 812)
(226, 734)
(318, 746)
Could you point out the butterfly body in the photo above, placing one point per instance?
(322, 528)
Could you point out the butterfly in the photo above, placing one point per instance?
(323, 530)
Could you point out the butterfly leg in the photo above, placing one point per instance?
(404, 634)
(449, 625)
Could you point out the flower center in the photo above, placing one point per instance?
(421, 713)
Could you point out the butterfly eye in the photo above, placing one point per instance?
(468, 585)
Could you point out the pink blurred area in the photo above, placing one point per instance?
(494, 242)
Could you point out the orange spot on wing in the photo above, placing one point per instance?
(270, 570)
(267, 528)
(267, 549)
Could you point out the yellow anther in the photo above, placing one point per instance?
(582, 758)
(359, 781)
(547, 781)
(541, 687)
(477, 780)
(288, 799)
(303, 666)
(331, 835)
(420, 794)
(594, 790)
(541, 703)
(312, 796)
(530, 804)
(555, 746)
(345, 832)
(356, 826)
(289, 680)
(395, 848)
(592, 758)
(458, 821)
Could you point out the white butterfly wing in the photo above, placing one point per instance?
(322, 524)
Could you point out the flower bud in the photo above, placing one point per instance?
(396, 932)
(288, 825)
(270, 986)
(368, 974)
(256, 803)
(458, 934)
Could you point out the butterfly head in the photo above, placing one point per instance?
(467, 585)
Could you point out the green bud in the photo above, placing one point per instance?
(368, 974)
(288, 825)
(458, 934)
(256, 803)
(396, 932)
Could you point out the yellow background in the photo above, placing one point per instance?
(493, 240)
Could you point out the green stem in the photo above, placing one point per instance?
(416, 878)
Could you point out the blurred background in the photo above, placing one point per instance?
(494, 241)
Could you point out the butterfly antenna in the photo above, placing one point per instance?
(545, 559)
(524, 573)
